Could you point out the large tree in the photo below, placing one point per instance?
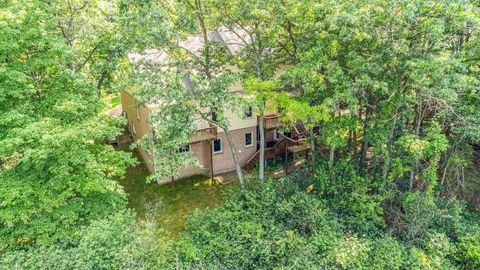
(56, 173)
(252, 25)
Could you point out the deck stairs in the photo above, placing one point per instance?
(279, 148)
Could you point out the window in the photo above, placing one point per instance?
(278, 132)
(248, 139)
(217, 146)
(214, 116)
(249, 112)
(183, 149)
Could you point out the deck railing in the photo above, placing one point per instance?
(209, 133)
(272, 121)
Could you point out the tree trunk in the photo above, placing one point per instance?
(364, 141)
(388, 159)
(418, 125)
(261, 166)
(173, 186)
(261, 170)
(412, 177)
(233, 148)
(312, 145)
(355, 154)
(210, 146)
(104, 74)
(332, 155)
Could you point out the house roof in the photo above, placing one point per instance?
(116, 111)
(233, 40)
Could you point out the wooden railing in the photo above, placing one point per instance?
(204, 134)
(271, 152)
(272, 121)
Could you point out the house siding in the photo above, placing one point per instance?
(138, 126)
(222, 162)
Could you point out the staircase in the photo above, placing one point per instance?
(252, 162)
(299, 131)
(270, 153)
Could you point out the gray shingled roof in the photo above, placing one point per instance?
(234, 42)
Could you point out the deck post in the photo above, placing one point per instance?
(286, 161)
(211, 159)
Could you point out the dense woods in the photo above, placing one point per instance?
(392, 85)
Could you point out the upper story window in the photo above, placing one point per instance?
(214, 116)
(249, 112)
(183, 149)
(248, 139)
(217, 146)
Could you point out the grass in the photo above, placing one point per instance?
(196, 192)
(111, 100)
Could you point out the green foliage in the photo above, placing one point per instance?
(387, 253)
(280, 225)
(111, 243)
(258, 228)
(59, 174)
(468, 252)
(394, 85)
(352, 195)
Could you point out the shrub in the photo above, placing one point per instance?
(351, 195)
(468, 252)
(276, 225)
(112, 243)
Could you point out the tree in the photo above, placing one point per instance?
(251, 24)
(114, 242)
(56, 172)
(100, 34)
(174, 119)
(216, 97)
(202, 72)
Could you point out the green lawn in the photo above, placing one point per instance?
(196, 192)
(111, 100)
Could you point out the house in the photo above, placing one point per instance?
(209, 144)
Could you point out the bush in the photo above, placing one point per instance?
(468, 252)
(273, 226)
(281, 226)
(112, 243)
(350, 195)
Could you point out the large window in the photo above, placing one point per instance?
(249, 112)
(248, 139)
(217, 146)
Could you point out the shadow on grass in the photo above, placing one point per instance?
(195, 192)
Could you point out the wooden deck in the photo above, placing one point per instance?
(272, 121)
(209, 133)
(280, 149)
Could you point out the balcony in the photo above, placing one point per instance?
(204, 134)
(272, 121)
